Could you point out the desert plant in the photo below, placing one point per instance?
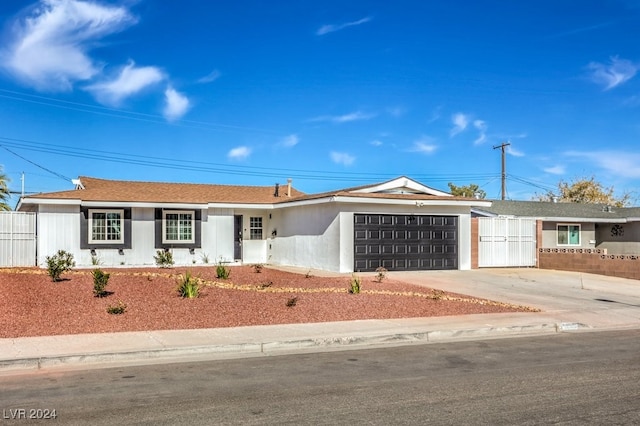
(266, 285)
(188, 286)
(291, 302)
(354, 284)
(59, 263)
(437, 295)
(381, 273)
(164, 259)
(204, 257)
(100, 280)
(222, 271)
(257, 267)
(308, 274)
(118, 309)
(95, 260)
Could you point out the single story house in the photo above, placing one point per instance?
(575, 225)
(400, 224)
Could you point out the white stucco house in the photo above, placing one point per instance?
(399, 224)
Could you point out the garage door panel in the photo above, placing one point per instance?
(405, 242)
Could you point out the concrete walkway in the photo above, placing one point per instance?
(570, 302)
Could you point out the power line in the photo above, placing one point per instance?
(37, 165)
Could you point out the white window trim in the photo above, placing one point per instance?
(164, 226)
(558, 225)
(90, 226)
(261, 228)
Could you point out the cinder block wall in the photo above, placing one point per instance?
(591, 261)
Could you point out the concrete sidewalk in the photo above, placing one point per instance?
(570, 302)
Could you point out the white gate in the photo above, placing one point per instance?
(506, 242)
(17, 239)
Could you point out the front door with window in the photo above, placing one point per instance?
(237, 237)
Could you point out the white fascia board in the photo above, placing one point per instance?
(143, 205)
(57, 201)
(240, 206)
(418, 203)
(582, 219)
(403, 182)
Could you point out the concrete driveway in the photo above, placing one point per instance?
(594, 300)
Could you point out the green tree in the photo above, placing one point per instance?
(472, 191)
(586, 190)
(4, 191)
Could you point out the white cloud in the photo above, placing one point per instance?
(617, 72)
(48, 50)
(176, 104)
(290, 141)
(397, 111)
(555, 170)
(342, 158)
(326, 29)
(482, 127)
(424, 145)
(239, 153)
(346, 118)
(618, 163)
(212, 76)
(376, 142)
(460, 122)
(128, 82)
(512, 151)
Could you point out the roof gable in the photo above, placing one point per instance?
(400, 185)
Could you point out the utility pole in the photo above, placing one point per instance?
(504, 167)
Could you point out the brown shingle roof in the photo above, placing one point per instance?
(161, 192)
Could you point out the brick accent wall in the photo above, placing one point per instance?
(591, 261)
(475, 239)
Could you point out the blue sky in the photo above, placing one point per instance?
(332, 94)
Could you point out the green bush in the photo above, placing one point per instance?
(164, 259)
(118, 309)
(100, 280)
(257, 267)
(188, 286)
(222, 271)
(355, 284)
(59, 263)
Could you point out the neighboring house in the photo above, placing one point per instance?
(573, 225)
(400, 225)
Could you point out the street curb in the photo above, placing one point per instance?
(275, 347)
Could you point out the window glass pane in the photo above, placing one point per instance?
(574, 235)
(255, 228)
(563, 238)
(179, 227)
(106, 226)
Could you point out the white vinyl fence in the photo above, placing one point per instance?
(17, 239)
(506, 242)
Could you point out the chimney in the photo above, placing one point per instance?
(289, 187)
(276, 193)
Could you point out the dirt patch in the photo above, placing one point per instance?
(32, 305)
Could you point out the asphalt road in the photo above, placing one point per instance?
(569, 379)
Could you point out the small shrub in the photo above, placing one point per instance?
(204, 257)
(257, 267)
(381, 273)
(222, 271)
(118, 309)
(354, 287)
(59, 263)
(95, 260)
(188, 286)
(308, 274)
(164, 259)
(437, 295)
(100, 280)
(291, 302)
(266, 285)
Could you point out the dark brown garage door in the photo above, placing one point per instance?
(405, 242)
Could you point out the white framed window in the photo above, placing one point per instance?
(568, 235)
(255, 228)
(106, 226)
(178, 226)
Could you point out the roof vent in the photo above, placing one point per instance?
(77, 183)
